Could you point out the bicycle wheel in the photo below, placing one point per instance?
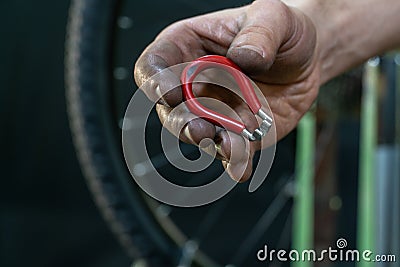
(103, 40)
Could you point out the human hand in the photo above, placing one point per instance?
(272, 43)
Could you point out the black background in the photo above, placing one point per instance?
(47, 216)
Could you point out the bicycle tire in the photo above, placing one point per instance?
(89, 20)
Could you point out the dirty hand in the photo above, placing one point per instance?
(272, 43)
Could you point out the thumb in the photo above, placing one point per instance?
(264, 28)
(237, 155)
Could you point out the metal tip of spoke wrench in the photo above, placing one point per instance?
(258, 134)
(248, 135)
(264, 116)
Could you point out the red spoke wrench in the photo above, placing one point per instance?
(245, 85)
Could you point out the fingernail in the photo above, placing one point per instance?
(160, 96)
(253, 48)
(158, 91)
(206, 143)
(186, 132)
(218, 148)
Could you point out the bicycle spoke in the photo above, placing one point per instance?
(284, 240)
(188, 253)
(211, 218)
(262, 225)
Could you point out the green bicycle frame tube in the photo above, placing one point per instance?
(368, 142)
(303, 214)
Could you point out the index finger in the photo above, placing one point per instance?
(157, 57)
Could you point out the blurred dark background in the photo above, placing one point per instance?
(47, 216)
